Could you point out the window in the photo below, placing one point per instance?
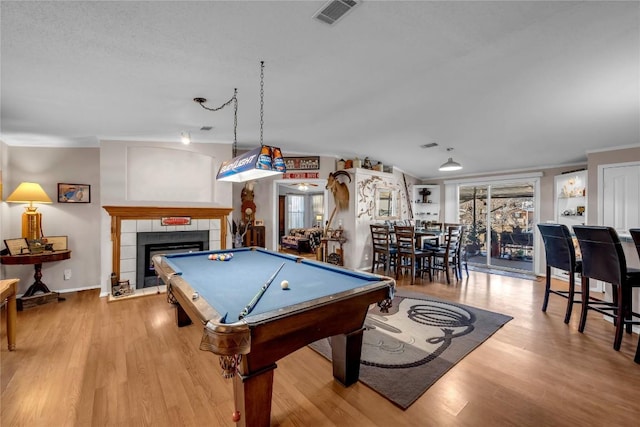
(317, 206)
(295, 211)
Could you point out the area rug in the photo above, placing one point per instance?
(408, 349)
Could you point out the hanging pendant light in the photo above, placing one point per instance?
(260, 162)
(450, 165)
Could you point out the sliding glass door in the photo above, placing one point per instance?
(500, 220)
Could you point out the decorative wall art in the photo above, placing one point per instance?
(74, 193)
(302, 163)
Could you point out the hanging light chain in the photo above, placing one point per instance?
(234, 100)
(235, 123)
(261, 101)
(201, 101)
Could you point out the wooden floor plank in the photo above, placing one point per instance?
(84, 362)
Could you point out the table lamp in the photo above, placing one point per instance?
(30, 192)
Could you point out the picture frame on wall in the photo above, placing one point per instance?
(17, 246)
(74, 193)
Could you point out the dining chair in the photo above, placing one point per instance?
(561, 254)
(444, 259)
(460, 255)
(603, 259)
(409, 258)
(384, 252)
(635, 235)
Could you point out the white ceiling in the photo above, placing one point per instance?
(508, 85)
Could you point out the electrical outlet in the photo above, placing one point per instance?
(67, 274)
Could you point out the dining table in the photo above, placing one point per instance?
(431, 235)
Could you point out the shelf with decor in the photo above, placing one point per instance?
(571, 198)
(570, 207)
(425, 203)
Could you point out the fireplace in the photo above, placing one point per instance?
(152, 243)
(127, 221)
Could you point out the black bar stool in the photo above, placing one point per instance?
(560, 254)
(603, 259)
(635, 234)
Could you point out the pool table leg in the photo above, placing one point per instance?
(182, 318)
(345, 353)
(252, 394)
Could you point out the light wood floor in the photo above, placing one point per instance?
(86, 362)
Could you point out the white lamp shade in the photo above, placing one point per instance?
(450, 165)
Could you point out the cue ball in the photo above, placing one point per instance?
(284, 284)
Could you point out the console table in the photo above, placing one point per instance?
(30, 297)
(336, 257)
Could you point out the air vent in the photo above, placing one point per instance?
(429, 145)
(334, 10)
(206, 128)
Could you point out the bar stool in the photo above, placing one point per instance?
(635, 234)
(603, 259)
(560, 254)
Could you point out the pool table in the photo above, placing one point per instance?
(322, 300)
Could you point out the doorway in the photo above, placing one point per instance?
(500, 218)
(301, 204)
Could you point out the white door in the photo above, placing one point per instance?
(621, 197)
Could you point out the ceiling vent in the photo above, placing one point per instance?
(334, 10)
(429, 145)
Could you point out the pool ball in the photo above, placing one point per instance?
(284, 284)
(210, 256)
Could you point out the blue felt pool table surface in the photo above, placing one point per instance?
(228, 286)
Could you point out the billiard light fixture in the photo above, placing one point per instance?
(258, 163)
(450, 165)
(30, 192)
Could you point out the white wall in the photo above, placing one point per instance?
(360, 215)
(116, 185)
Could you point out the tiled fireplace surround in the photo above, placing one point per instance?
(127, 221)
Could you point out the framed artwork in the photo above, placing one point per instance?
(74, 193)
(302, 163)
(258, 222)
(17, 246)
(56, 243)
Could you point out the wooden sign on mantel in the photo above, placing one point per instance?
(301, 175)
